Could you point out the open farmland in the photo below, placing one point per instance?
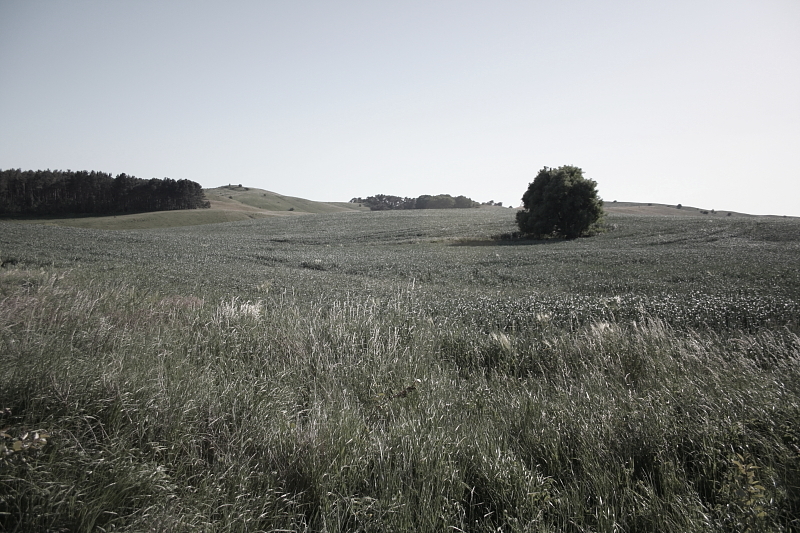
(401, 371)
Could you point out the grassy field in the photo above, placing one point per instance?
(401, 371)
(233, 203)
(230, 203)
(271, 201)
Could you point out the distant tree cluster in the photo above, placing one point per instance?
(58, 192)
(384, 202)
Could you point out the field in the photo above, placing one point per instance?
(401, 371)
(230, 203)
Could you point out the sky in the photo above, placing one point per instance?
(694, 102)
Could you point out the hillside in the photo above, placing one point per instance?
(651, 209)
(231, 203)
(228, 204)
(233, 197)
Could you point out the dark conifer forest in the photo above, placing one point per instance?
(59, 192)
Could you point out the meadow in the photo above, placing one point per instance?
(401, 371)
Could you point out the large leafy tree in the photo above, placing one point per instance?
(560, 202)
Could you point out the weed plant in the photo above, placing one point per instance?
(401, 372)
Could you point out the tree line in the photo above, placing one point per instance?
(59, 192)
(384, 202)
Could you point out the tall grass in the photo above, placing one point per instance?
(276, 412)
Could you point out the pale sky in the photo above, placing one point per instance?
(694, 102)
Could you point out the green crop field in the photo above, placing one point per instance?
(401, 371)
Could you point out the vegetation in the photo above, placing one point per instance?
(560, 202)
(56, 192)
(383, 202)
(401, 371)
(228, 204)
(271, 201)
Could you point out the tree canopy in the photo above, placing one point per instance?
(381, 202)
(57, 192)
(560, 202)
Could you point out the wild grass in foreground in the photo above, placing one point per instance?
(376, 372)
(129, 409)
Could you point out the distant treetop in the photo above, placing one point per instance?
(383, 202)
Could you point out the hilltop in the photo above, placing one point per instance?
(651, 209)
(251, 200)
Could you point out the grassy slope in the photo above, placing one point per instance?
(228, 204)
(351, 206)
(157, 219)
(373, 373)
(270, 201)
(639, 208)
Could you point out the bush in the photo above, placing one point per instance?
(560, 202)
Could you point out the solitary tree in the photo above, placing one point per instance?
(560, 202)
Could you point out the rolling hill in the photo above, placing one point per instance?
(238, 198)
(640, 208)
(228, 204)
(231, 203)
